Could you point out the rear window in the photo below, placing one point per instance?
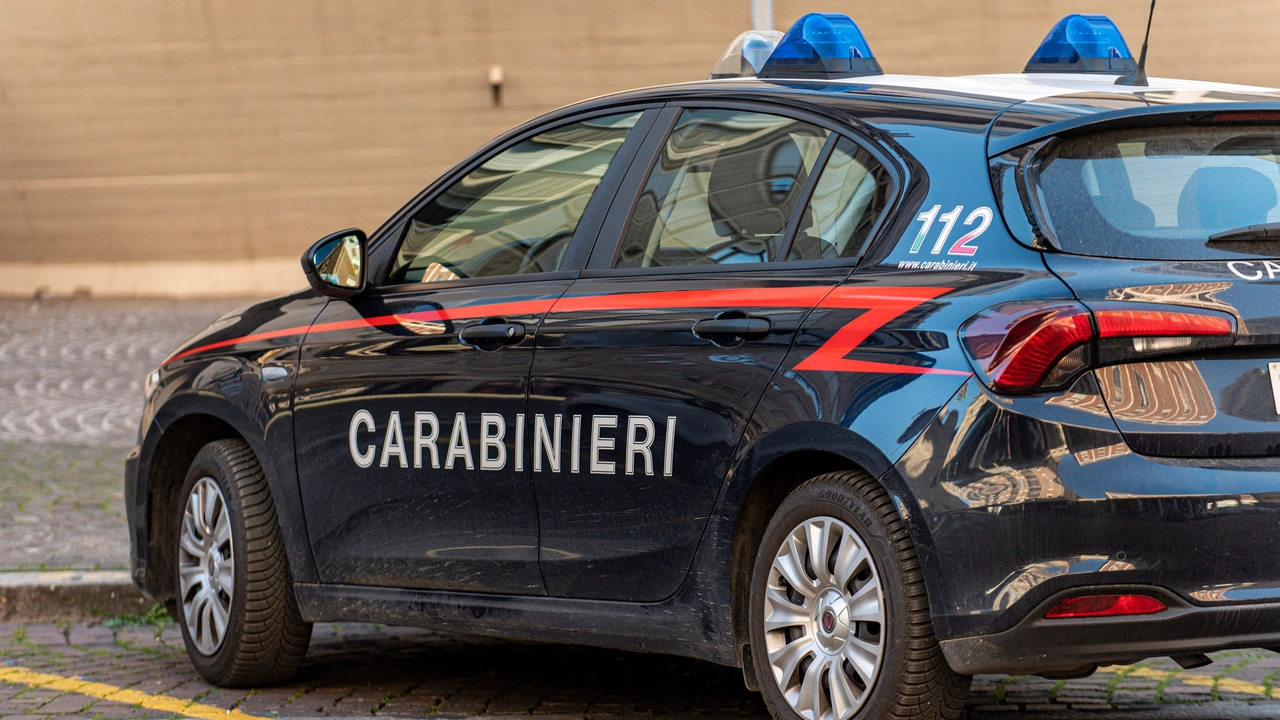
(1158, 193)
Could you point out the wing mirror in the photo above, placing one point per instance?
(336, 264)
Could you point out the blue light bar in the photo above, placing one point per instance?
(1083, 44)
(821, 46)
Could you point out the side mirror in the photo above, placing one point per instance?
(336, 264)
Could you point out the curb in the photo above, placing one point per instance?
(79, 596)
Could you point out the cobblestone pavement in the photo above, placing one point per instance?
(396, 672)
(70, 397)
(71, 371)
(62, 507)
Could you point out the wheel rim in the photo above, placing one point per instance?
(824, 619)
(206, 566)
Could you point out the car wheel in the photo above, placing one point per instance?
(235, 603)
(840, 622)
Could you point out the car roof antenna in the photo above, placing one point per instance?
(1139, 74)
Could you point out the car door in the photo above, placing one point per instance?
(410, 401)
(647, 370)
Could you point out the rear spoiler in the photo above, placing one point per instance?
(1027, 123)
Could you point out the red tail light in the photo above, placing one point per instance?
(1116, 321)
(1104, 606)
(1025, 347)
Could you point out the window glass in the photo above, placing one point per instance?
(516, 213)
(848, 199)
(722, 191)
(1158, 193)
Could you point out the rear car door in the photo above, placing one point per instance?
(1146, 215)
(411, 398)
(647, 370)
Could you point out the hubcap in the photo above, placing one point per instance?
(824, 620)
(206, 566)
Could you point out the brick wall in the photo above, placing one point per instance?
(197, 131)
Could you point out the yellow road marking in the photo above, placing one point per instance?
(1224, 685)
(30, 678)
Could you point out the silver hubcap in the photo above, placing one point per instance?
(206, 566)
(824, 620)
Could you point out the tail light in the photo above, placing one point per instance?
(1025, 347)
(1084, 606)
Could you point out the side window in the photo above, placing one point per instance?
(722, 191)
(848, 199)
(516, 213)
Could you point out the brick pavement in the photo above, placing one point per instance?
(355, 669)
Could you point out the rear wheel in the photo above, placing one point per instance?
(235, 604)
(840, 621)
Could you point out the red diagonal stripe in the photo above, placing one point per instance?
(882, 305)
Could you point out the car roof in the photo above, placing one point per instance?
(1016, 108)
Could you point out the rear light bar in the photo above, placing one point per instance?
(1246, 117)
(1024, 347)
(1085, 606)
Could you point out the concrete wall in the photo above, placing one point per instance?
(220, 137)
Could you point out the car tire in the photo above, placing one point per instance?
(857, 639)
(250, 633)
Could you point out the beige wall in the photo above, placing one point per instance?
(204, 131)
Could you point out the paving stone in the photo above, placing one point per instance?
(69, 703)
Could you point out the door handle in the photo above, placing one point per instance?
(491, 333)
(732, 327)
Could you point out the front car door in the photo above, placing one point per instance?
(410, 410)
(649, 367)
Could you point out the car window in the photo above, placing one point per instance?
(1157, 193)
(722, 191)
(848, 199)
(517, 212)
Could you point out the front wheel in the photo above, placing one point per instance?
(840, 621)
(239, 617)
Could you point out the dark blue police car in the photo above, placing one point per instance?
(864, 383)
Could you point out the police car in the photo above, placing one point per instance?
(862, 382)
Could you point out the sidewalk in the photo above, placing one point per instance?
(70, 398)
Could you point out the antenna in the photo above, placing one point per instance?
(1139, 74)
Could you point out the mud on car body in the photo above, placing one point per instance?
(863, 383)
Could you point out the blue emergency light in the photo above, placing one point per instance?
(821, 46)
(1083, 44)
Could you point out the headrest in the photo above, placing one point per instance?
(754, 187)
(1221, 198)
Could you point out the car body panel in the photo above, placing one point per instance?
(1215, 404)
(621, 347)
(219, 374)
(399, 522)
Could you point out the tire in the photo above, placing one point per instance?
(261, 639)
(868, 597)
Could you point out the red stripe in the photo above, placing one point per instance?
(881, 303)
(798, 297)
(530, 307)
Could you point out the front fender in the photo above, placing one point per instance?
(206, 401)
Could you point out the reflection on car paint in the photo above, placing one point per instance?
(1024, 580)
(1162, 393)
